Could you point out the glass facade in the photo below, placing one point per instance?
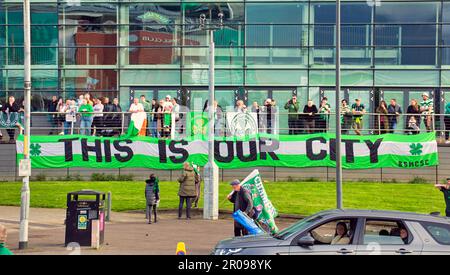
(119, 48)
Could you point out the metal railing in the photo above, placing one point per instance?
(116, 123)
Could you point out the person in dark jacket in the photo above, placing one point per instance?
(187, 190)
(394, 111)
(116, 119)
(11, 107)
(309, 112)
(413, 118)
(152, 197)
(242, 200)
(293, 108)
(107, 118)
(445, 189)
(52, 118)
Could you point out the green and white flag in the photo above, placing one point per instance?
(266, 212)
(314, 150)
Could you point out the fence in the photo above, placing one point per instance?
(230, 123)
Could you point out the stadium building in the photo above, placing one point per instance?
(127, 48)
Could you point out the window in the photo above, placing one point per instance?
(386, 232)
(336, 232)
(439, 232)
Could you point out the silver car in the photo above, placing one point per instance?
(350, 232)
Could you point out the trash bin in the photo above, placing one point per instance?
(85, 218)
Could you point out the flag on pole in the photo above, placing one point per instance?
(266, 212)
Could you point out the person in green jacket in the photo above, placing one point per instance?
(147, 109)
(3, 249)
(447, 122)
(86, 111)
(292, 106)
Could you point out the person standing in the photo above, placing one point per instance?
(147, 109)
(346, 116)
(382, 121)
(447, 122)
(293, 108)
(394, 111)
(107, 118)
(98, 117)
(178, 127)
(187, 190)
(197, 184)
(87, 96)
(70, 116)
(152, 197)
(138, 116)
(60, 117)
(413, 118)
(324, 111)
(153, 119)
(52, 116)
(11, 107)
(265, 117)
(445, 189)
(309, 112)
(358, 111)
(159, 117)
(86, 111)
(3, 236)
(427, 109)
(242, 200)
(116, 119)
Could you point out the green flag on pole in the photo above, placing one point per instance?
(261, 202)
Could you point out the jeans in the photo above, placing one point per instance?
(188, 206)
(67, 127)
(153, 128)
(85, 125)
(392, 126)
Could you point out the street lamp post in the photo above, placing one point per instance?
(25, 192)
(339, 203)
(211, 171)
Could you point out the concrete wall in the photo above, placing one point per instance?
(8, 171)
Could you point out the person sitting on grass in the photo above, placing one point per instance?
(152, 197)
(3, 249)
(445, 189)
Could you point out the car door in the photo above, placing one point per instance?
(327, 230)
(388, 237)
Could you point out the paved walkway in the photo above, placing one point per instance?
(127, 233)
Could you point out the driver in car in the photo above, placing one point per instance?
(340, 235)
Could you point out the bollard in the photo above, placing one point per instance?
(108, 208)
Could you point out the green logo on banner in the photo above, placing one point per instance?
(416, 149)
(35, 149)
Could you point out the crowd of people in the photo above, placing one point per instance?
(313, 119)
(103, 117)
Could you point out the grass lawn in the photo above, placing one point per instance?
(288, 197)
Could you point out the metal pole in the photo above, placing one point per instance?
(25, 192)
(211, 199)
(339, 203)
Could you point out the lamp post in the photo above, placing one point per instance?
(339, 203)
(25, 191)
(211, 171)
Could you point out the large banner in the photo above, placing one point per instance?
(313, 150)
(261, 202)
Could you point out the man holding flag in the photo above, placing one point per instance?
(261, 210)
(242, 200)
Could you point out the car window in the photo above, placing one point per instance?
(439, 232)
(386, 232)
(297, 227)
(336, 232)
